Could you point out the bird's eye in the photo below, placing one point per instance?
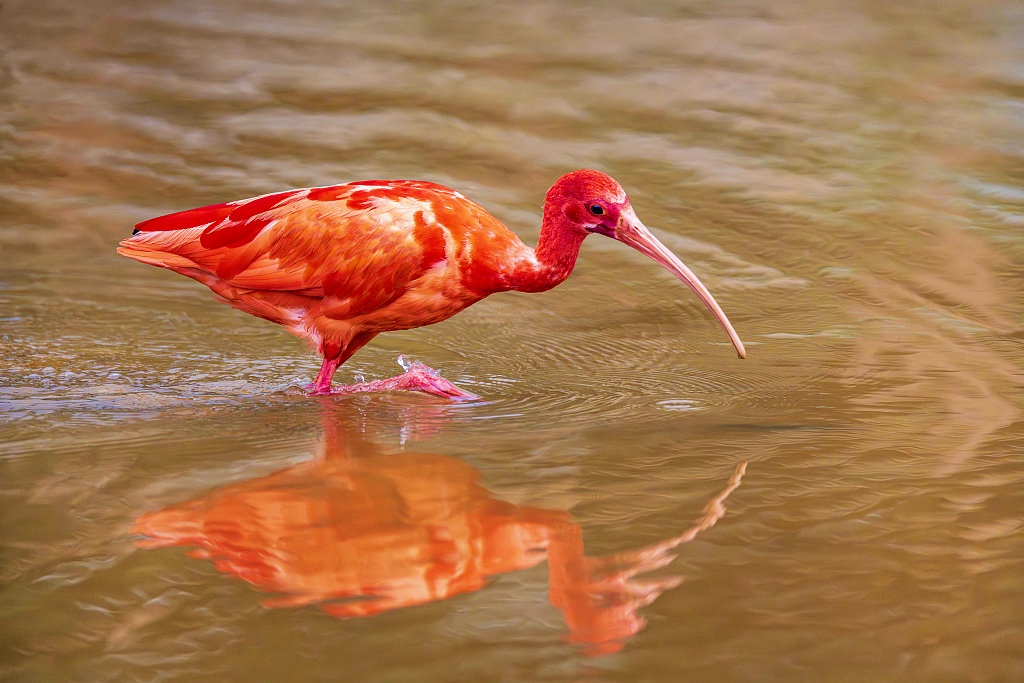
(597, 209)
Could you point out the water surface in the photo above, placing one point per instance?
(847, 182)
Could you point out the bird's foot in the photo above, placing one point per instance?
(417, 377)
(313, 389)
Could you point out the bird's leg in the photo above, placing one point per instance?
(334, 355)
(417, 377)
(322, 383)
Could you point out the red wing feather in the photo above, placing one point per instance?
(247, 220)
(228, 225)
(193, 218)
(360, 246)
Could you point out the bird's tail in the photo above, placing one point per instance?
(146, 252)
(166, 249)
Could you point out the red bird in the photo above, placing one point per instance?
(338, 265)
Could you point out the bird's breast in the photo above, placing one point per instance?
(435, 296)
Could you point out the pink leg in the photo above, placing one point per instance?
(417, 377)
(322, 383)
(334, 355)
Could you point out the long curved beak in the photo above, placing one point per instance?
(632, 232)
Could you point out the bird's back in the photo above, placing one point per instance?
(381, 255)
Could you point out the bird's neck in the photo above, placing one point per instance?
(553, 259)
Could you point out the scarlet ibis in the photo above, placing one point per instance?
(338, 265)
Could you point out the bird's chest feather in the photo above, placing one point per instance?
(431, 298)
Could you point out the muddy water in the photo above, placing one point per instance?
(848, 183)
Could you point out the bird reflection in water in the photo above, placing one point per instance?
(358, 531)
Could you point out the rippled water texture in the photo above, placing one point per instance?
(847, 179)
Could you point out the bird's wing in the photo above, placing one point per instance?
(361, 242)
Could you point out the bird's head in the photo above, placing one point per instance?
(593, 202)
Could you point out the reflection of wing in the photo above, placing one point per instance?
(396, 529)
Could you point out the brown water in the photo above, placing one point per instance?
(849, 183)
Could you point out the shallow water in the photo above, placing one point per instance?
(846, 181)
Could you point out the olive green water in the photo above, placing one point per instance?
(849, 183)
